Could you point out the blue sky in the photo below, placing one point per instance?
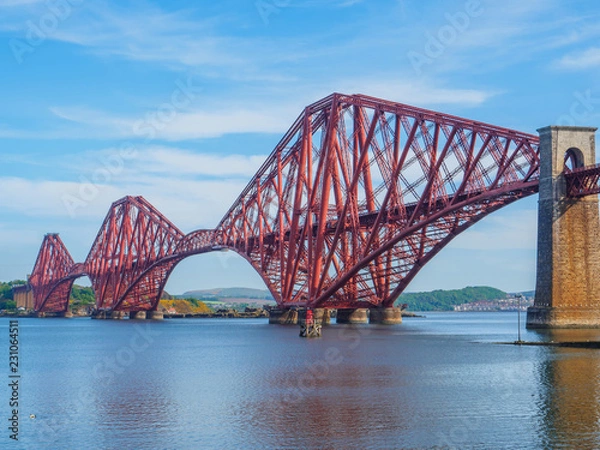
(181, 102)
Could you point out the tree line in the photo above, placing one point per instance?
(442, 300)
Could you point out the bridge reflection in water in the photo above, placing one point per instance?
(569, 397)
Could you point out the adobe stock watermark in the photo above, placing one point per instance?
(38, 31)
(154, 121)
(436, 44)
(112, 166)
(582, 110)
(104, 372)
(266, 8)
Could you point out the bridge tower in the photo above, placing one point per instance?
(568, 260)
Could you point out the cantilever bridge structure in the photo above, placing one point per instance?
(354, 200)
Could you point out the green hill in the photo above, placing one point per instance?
(234, 292)
(440, 300)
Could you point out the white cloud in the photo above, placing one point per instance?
(8, 3)
(501, 232)
(43, 198)
(192, 189)
(415, 92)
(203, 124)
(168, 160)
(181, 39)
(505, 34)
(330, 3)
(580, 60)
(187, 203)
(75, 122)
(273, 116)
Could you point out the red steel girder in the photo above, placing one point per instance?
(583, 181)
(132, 238)
(150, 282)
(357, 196)
(53, 275)
(361, 192)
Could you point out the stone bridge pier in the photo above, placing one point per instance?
(568, 257)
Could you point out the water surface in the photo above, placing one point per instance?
(437, 382)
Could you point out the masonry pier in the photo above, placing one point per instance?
(155, 315)
(352, 315)
(137, 315)
(283, 316)
(568, 261)
(385, 316)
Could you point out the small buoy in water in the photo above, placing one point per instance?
(32, 416)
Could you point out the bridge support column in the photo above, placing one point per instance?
(99, 315)
(385, 316)
(568, 261)
(358, 315)
(117, 315)
(138, 315)
(323, 315)
(67, 314)
(283, 316)
(155, 315)
(320, 315)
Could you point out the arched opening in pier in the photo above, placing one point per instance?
(573, 159)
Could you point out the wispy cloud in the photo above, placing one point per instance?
(188, 203)
(501, 232)
(192, 189)
(580, 60)
(166, 160)
(251, 114)
(16, 3)
(506, 34)
(195, 124)
(325, 3)
(414, 91)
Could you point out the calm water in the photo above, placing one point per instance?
(438, 382)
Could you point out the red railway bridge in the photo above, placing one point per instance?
(354, 200)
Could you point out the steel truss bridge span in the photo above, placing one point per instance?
(357, 196)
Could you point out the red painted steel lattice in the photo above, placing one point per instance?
(583, 181)
(133, 237)
(358, 195)
(361, 193)
(52, 275)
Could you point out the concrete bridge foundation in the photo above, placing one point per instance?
(358, 315)
(323, 315)
(138, 315)
(283, 316)
(320, 315)
(385, 316)
(568, 260)
(155, 315)
(98, 315)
